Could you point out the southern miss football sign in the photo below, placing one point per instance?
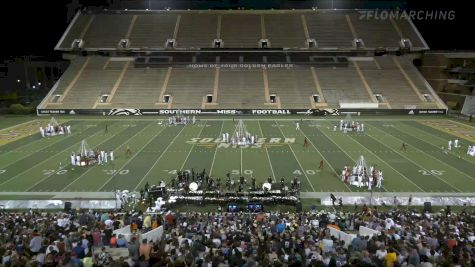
(274, 112)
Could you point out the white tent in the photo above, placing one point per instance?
(53, 122)
(84, 149)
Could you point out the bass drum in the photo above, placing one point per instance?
(193, 186)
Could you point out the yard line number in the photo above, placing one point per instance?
(51, 172)
(3, 171)
(308, 172)
(119, 172)
(432, 172)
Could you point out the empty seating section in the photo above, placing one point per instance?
(139, 88)
(106, 30)
(341, 85)
(375, 33)
(238, 29)
(366, 64)
(93, 82)
(197, 30)
(241, 31)
(114, 65)
(329, 30)
(69, 75)
(390, 82)
(75, 31)
(409, 32)
(241, 89)
(152, 30)
(294, 87)
(189, 86)
(413, 74)
(284, 30)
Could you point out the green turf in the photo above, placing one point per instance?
(12, 120)
(36, 164)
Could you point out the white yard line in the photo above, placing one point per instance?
(16, 125)
(216, 150)
(42, 162)
(295, 156)
(438, 137)
(129, 160)
(463, 124)
(404, 176)
(158, 159)
(344, 151)
(44, 148)
(473, 178)
(192, 147)
(131, 138)
(415, 163)
(328, 162)
(268, 158)
(67, 165)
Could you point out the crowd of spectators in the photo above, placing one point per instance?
(225, 239)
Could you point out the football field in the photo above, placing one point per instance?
(30, 163)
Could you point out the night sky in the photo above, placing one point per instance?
(34, 27)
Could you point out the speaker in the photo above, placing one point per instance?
(427, 207)
(67, 206)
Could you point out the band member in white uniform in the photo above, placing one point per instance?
(380, 180)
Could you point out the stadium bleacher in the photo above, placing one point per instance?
(305, 76)
(145, 33)
(380, 34)
(241, 30)
(189, 86)
(237, 29)
(197, 30)
(139, 87)
(241, 89)
(284, 30)
(89, 78)
(241, 75)
(294, 87)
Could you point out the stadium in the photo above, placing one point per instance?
(261, 137)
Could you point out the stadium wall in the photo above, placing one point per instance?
(232, 112)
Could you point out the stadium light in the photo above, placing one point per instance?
(39, 83)
(33, 87)
(17, 81)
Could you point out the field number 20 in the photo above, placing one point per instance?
(51, 172)
(114, 172)
(431, 172)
